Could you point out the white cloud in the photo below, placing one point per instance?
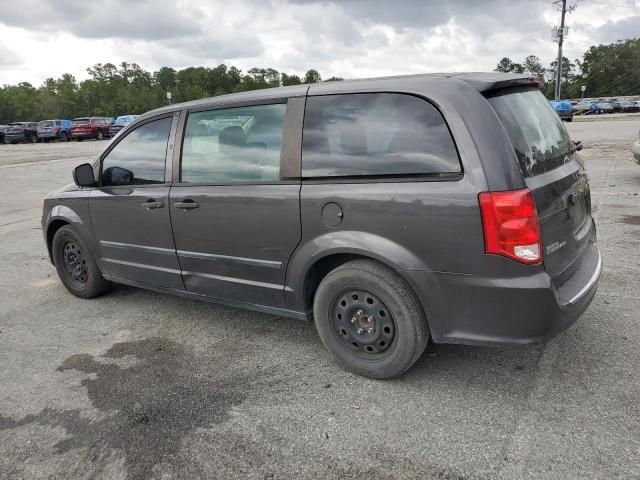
(349, 38)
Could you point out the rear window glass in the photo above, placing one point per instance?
(375, 134)
(233, 145)
(46, 123)
(539, 138)
(77, 121)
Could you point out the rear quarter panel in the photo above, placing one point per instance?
(429, 226)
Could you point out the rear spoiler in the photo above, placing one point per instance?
(486, 82)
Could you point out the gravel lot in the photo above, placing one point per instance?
(140, 385)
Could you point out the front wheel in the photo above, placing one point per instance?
(100, 135)
(64, 137)
(33, 138)
(76, 267)
(370, 319)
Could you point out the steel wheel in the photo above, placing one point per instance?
(363, 323)
(75, 264)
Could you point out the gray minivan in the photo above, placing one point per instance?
(391, 211)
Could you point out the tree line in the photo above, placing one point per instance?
(114, 90)
(110, 90)
(605, 70)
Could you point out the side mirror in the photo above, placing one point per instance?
(83, 175)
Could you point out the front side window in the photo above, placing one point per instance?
(233, 145)
(375, 134)
(139, 158)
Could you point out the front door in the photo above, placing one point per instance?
(236, 210)
(130, 208)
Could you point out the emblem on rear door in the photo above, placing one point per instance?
(554, 247)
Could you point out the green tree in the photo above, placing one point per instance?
(312, 76)
(287, 80)
(506, 65)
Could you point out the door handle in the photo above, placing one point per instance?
(187, 204)
(152, 204)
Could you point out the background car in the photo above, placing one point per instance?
(563, 109)
(54, 130)
(627, 106)
(89, 127)
(121, 122)
(601, 107)
(21, 132)
(581, 108)
(2, 129)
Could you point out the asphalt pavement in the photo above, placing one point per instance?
(137, 384)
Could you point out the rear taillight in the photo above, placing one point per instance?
(511, 227)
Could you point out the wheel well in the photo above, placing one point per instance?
(320, 269)
(51, 232)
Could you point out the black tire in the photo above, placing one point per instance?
(33, 138)
(76, 267)
(100, 135)
(6, 141)
(78, 139)
(63, 137)
(570, 119)
(394, 316)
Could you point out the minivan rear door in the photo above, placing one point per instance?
(552, 170)
(235, 202)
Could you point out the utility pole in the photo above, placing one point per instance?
(560, 41)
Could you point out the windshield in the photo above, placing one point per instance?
(122, 121)
(536, 132)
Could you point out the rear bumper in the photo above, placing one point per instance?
(84, 134)
(15, 137)
(506, 306)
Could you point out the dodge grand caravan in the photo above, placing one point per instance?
(390, 211)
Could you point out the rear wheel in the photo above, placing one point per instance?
(64, 137)
(33, 138)
(100, 135)
(370, 319)
(76, 267)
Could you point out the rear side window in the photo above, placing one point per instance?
(233, 145)
(539, 138)
(375, 134)
(139, 158)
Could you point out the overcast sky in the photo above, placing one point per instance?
(348, 38)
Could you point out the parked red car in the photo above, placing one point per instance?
(89, 127)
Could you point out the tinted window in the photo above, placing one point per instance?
(233, 145)
(78, 121)
(375, 134)
(139, 158)
(536, 132)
